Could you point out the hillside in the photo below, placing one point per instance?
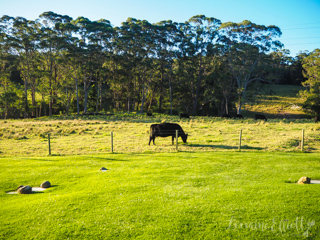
(277, 101)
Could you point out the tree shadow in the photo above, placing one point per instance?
(110, 159)
(225, 146)
(212, 146)
(38, 159)
(253, 148)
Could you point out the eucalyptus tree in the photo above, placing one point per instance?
(311, 96)
(278, 67)
(146, 59)
(8, 93)
(165, 49)
(204, 31)
(199, 34)
(6, 58)
(71, 53)
(91, 36)
(50, 45)
(245, 44)
(25, 40)
(101, 47)
(133, 50)
(296, 69)
(220, 87)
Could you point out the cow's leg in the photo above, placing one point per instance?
(172, 140)
(152, 138)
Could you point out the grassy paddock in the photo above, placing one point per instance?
(131, 135)
(185, 195)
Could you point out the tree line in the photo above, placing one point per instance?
(56, 64)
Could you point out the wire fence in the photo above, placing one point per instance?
(135, 141)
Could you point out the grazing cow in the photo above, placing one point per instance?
(184, 115)
(166, 130)
(260, 116)
(225, 116)
(239, 116)
(150, 114)
(316, 119)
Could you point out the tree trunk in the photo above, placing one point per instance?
(144, 93)
(97, 100)
(170, 91)
(100, 96)
(195, 102)
(85, 104)
(77, 94)
(161, 89)
(26, 97)
(150, 101)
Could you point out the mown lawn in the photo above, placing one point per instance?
(184, 195)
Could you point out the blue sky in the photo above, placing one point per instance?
(299, 20)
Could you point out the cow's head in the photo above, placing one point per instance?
(184, 138)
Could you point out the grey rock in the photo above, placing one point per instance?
(25, 190)
(45, 184)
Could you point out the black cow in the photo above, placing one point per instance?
(225, 116)
(316, 119)
(260, 116)
(149, 114)
(239, 116)
(184, 115)
(166, 130)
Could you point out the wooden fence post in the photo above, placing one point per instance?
(111, 142)
(49, 143)
(302, 140)
(240, 136)
(177, 135)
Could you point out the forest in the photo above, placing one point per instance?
(59, 65)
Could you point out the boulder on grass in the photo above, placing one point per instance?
(45, 184)
(24, 190)
(19, 187)
(304, 180)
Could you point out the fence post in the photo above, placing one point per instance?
(240, 136)
(302, 140)
(177, 140)
(49, 143)
(111, 142)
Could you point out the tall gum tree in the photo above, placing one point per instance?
(165, 51)
(50, 42)
(311, 96)
(245, 44)
(204, 31)
(198, 34)
(25, 42)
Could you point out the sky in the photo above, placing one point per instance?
(299, 20)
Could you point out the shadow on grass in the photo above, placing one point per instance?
(111, 159)
(39, 159)
(212, 146)
(253, 148)
(225, 146)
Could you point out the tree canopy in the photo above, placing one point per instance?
(56, 64)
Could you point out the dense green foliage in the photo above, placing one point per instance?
(311, 96)
(214, 195)
(56, 64)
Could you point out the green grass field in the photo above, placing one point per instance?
(131, 135)
(207, 195)
(206, 190)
